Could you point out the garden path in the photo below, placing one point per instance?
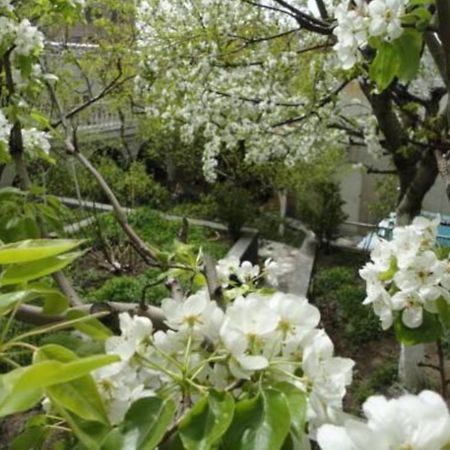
(296, 264)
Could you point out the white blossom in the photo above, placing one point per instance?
(410, 422)
(5, 129)
(34, 139)
(405, 275)
(385, 18)
(7, 5)
(29, 39)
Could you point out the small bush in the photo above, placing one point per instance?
(131, 289)
(382, 378)
(361, 324)
(235, 207)
(328, 281)
(321, 209)
(132, 186)
(342, 286)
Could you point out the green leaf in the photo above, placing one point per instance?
(40, 119)
(31, 438)
(388, 274)
(10, 192)
(22, 273)
(385, 65)
(91, 326)
(297, 401)
(55, 302)
(408, 48)
(260, 423)
(444, 312)
(9, 300)
(207, 421)
(90, 434)
(429, 331)
(144, 425)
(32, 250)
(22, 388)
(80, 396)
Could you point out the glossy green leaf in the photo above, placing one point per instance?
(22, 273)
(11, 192)
(429, 331)
(207, 421)
(145, 424)
(91, 326)
(444, 312)
(55, 302)
(409, 49)
(385, 65)
(90, 434)
(79, 396)
(22, 388)
(30, 439)
(9, 300)
(260, 423)
(297, 402)
(32, 250)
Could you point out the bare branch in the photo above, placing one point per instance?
(70, 144)
(270, 8)
(325, 100)
(214, 287)
(34, 315)
(103, 93)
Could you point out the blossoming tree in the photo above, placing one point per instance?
(234, 364)
(267, 76)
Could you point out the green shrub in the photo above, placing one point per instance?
(131, 289)
(205, 209)
(326, 282)
(381, 378)
(132, 186)
(361, 324)
(342, 286)
(235, 207)
(321, 209)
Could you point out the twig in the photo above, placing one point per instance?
(214, 288)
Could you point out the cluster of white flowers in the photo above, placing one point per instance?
(410, 422)
(232, 273)
(5, 129)
(34, 139)
(29, 39)
(274, 337)
(405, 276)
(233, 95)
(6, 4)
(371, 136)
(358, 20)
(26, 38)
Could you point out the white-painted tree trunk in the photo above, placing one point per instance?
(282, 200)
(411, 375)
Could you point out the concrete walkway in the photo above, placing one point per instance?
(296, 264)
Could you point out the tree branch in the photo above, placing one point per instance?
(17, 153)
(70, 144)
(327, 99)
(34, 315)
(103, 93)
